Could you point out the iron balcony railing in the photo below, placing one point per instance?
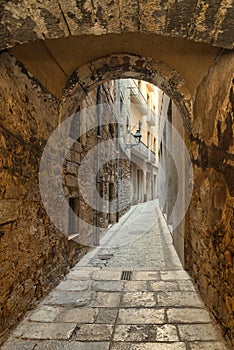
(151, 116)
(141, 150)
(137, 98)
(141, 103)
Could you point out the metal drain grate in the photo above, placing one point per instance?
(105, 256)
(126, 276)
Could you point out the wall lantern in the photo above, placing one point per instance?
(137, 137)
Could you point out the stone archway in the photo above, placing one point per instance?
(86, 78)
(209, 247)
(208, 243)
(207, 22)
(117, 66)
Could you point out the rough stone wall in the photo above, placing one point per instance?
(179, 192)
(205, 21)
(28, 269)
(125, 185)
(33, 254)
(210, 242)
(106, 177)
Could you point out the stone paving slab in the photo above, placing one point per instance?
(93, 332)
(72, 345)
(93, 309)
(179, 299)
(45, 313)
(71, 285)
(38, 330)
(146, 333)
(63, 314)
(186, 285)
(107, 275)
(165, 333)
(138, 299)
(189, 315)
(163, 286)
(141, 316)
(130, 333)
(107, 299)
(197, 332)
(79, 274)
(136, 286)
(175, 275)
(148, 346)
(66, 297)
(108, 286)
(18, 344)
(107, 315)
(77, 315)
(207, 346)
(146, 275)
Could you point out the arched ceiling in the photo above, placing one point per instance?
(207, 21)
(53, 61)
(118, 66)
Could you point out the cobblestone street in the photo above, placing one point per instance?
(130, 293)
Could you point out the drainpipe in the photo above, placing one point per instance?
(117, 147)
(99, 137)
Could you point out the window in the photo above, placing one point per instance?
(148, 100)
(154, 144)
(73, 224)
(121, 104)
(127, 122)
(139, 84)
(148, 139)
(140, 125)
(75, 126)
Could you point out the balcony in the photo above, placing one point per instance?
(142, 151)
(138, 99)
(151, 116)
(152, 157)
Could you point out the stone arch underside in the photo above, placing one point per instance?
(25, 21)
(87, 77)
(209, 245)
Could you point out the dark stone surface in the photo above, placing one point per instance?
(210, 22)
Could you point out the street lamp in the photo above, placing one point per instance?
(138, 137)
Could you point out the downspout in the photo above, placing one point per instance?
(99, 137)
(117, 147)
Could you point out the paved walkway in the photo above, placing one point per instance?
(130, 293)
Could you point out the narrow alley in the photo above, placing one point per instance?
(130, 293)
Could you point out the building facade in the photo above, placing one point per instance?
(174, 172)
(93, 170)
(138, 101)
(119, 170)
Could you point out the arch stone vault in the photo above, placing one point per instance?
(52, 54)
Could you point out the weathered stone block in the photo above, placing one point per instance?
(107, 299)
(141, 316)
(179, 299)
(197, 332)
(9, 210)
(186, 315)
(72, 168)
(130, 333)
(71, 181)
(136, 299)
(94, 332)
(35, 330)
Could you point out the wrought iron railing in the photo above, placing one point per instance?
(142, 150)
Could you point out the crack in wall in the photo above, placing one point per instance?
(64, 17)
